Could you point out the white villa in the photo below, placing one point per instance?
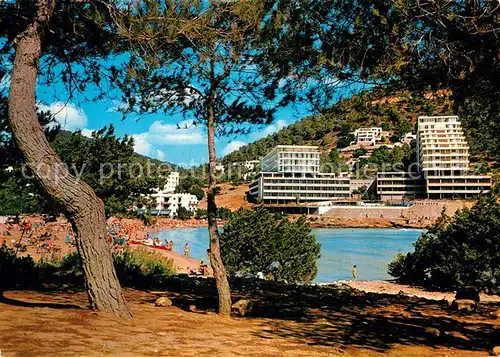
(367, 136)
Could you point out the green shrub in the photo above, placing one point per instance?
(256, 241)
(198, 192)
(183, 213)
(224, 213)
(463, 251)
(142, 269)
(15, 271)
(200, 213)
(135, 268)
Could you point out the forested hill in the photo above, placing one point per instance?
(394, 111)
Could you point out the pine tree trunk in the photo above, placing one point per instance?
(82, 207)
(220, 275)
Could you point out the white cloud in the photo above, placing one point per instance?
(87, 133)
(160, 134)
(117, 106)
(69, 116)
(270, 129)
(144, 147)
(184, 133)
(233, 146)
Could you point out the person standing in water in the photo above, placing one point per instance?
(355, 272)
(186, 250)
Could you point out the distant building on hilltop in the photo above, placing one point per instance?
(367, 136)
(249, 164)
(443, 169)
(220, 168)
(292, 174)
(408, 138)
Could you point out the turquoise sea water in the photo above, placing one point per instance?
(370, 249)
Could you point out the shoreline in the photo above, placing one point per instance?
(163, 223)
(394, 288)
(336, 222)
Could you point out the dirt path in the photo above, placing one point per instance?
(36, 324)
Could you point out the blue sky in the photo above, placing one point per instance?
(156, 135)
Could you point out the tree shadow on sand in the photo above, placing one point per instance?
(38, 304)
(332, 317)
(342, 317)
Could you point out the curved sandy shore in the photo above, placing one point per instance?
(182, 264)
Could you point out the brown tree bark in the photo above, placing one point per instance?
(223, 289)
(83, 208)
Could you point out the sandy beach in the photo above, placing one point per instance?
(393, 288)
(54, 236)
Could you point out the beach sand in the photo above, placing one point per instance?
(390, 287)
(132, 229)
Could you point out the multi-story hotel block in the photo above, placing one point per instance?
(443, 158)
(398, 185)
(443, 163)
(292, 173)
(172, 182)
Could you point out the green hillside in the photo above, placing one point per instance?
(393, 111)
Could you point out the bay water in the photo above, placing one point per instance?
(371, 249)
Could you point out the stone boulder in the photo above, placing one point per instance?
(495, 351)
(163, 302)
(457, 336)
(464, 305)
(244, 307)
(467, 293)
(432, 333)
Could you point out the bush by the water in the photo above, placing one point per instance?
(142, 269)
(256, 241)
(462, 251)
(14, 271)
(135, 268)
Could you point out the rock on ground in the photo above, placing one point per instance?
(244, 307)
(495, 351)
(163, 302)
(464, 305)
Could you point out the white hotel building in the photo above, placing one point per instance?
(292, 173)
(443, 158)
(443, 163)
(167, 202)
